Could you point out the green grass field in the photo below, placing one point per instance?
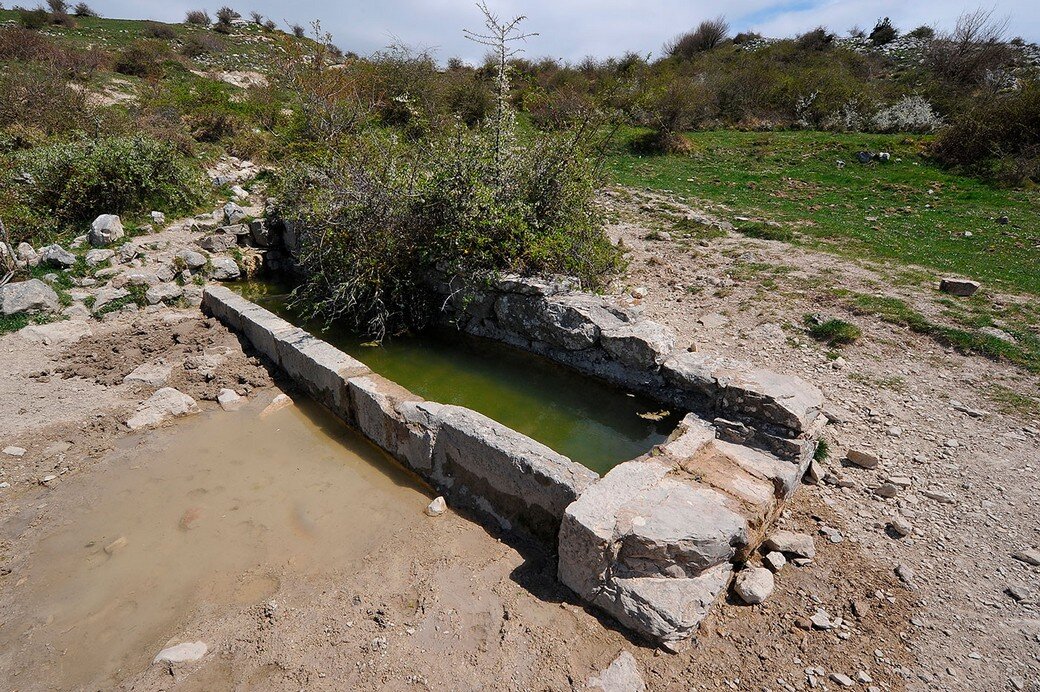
(906, 210)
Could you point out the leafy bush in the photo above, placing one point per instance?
(883, 32)
(159, 31)
(197, 45)
(143, 58)
(708, 34)
(76, 181)
(34, 19)
(997, 137)
(746, 37)
(909, 114)
(36, 101)
(197, 18)
(963, 59)
(817, 39)
(923, 32)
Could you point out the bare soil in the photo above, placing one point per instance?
(444, 603)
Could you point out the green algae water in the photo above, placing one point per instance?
(587, 420)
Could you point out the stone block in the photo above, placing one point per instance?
(784, 400)
(486, 466)
(320, 368)
(642, 345)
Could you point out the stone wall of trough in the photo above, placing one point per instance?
(602, 337)
(476, 462)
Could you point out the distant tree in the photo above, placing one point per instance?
(298, 31)
(883, 32)
(270, 25)
(257, 18)
(197, 18)
(975, 48)
(82, 9)
(746, 37)
(708, 34)
(856, 32)
(225, 17)
(58, 6)
(923, 32)
(817, 39)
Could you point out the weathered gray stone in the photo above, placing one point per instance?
(106, 295)
(163, 293)
(56, 256)
(1029, 556)
(260, 232)
(105, 230)
(864, 460)
(642, 345)
(798, 544)
(27, 296)
(233, 213)
(695, 371)
(237, 230)
(141, 277)
(224, 269)
(27, 254)
(158, 218)
(959, 287)
(56, 333)
(218, 242)
(620, 676)
(164, 404)
(322, 369)
(229, 400)
(494, 469)
(99, 256)
(785, 400)
(192, 260)
(754, 585)
(150, 374)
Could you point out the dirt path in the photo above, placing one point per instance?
(443, 604)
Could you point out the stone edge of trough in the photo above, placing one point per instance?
(475, 461)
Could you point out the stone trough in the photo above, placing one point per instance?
(654, 542)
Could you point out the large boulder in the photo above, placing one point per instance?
(56, 256)
(27, 254)
(224, 269)
(105, 230)
(27, 296)
(218, 242)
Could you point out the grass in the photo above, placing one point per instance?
(12, 323)
(1011, 402)
(907, 210)
(834, 332)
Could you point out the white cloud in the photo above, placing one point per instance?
(572, 29)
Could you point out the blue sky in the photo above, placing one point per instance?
(572, 29)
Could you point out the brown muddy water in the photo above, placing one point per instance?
(210, 514)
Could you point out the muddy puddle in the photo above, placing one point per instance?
(211, 514)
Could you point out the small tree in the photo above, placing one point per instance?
(708, 34)
(883, 32)
(256, 18)
(976, 47)
(197, 18)
(58, 6)
(82, 9)
(298, 31)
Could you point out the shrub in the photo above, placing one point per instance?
(78, 180)
(923, 32)
(997, 137)
(708, 34)
(764, 231)
(256, 18)
(834, 332)
(817, 39)
(38, 98)
(82, 9)
(34, 19)
(226, 15)
(298, 31)
(160, 31)
(197, 45)
(963, 58)
(883, 32)
(270, 25)
(143, 58)
(909, 114)
(58, 6)
(197, 18)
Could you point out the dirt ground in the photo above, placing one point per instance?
(446, 604)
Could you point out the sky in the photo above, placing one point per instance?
(574, 29)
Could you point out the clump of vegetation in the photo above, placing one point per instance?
(225, 19)
(197, 18)
(708, 34)
(766, 231)
(883, 32)
(834, 332)
(923, 32)
(381, 215)
(200, 44)
(74, 182)
(82, 9)
(817, 39)
(143, 58)
(158, 30)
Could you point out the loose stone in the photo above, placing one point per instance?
(437, 507)
(864, 460)
(799, 544)
(1030, 557)
(754, 585)
(900, 527)
(775, 560)
(14, 451)
(621, 676)
(182, 653)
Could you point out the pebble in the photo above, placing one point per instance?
(277, 404)
(905, 573)
(116, 545)
(864, 460)
(182, 653)
(843, 680)
(887, 490)
(775, 560)
(821, 620)
(437, 507)
(229, 400)
(900, 527)
(1029, 556)
(14, 451)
